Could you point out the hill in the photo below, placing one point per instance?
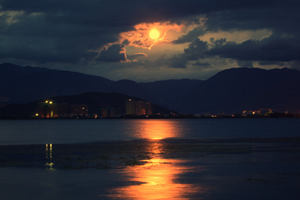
(228, 91)
(25, 84)
(238, 89)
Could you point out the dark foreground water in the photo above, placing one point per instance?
(150, 159)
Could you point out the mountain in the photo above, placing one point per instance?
(228, 91)
(169, 93)
(236, 89)
(25, 84)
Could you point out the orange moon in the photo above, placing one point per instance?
(154, 34)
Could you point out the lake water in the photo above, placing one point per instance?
(80, 131)
(206, 159)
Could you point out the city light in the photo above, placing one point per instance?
(48, 102)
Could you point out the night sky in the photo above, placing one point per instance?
(150, 40)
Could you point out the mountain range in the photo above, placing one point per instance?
(229, 91)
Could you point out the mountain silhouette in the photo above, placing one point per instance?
(228, 91)
(237, 89)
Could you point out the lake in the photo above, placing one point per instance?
(201, 159)
(81, 131)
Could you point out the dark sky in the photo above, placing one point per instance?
(110, 38)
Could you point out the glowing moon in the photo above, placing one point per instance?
(154, 34)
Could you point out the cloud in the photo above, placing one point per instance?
(197, 31)
(274, 49)
(190, 36)
(113, 53)
(10, 17)
(138, 38)
(243, 63)
(69, 33)
(270, 49)
(134, 57)
(196, 50)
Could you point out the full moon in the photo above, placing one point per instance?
(154, 34)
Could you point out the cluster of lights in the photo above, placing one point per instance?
(49, 102)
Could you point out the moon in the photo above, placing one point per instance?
(154, 34)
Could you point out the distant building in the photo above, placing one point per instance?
(259, 112)
(138, 108)
(104, 113)
(148, 108)
(130, 107)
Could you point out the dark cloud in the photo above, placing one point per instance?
(272, 50)
(271, 63)
(295, 64)
(277, 16)
(131, 10)
(66, 31)
(43, 38)
(135, 56)
(190, 36)
(114, 53)
(269, 49)
(196, 50)
(202, 64)
(245, 63)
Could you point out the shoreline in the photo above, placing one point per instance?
(116, 154)
(150, 118)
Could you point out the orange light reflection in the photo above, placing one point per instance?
(157, 129)
(157, 178)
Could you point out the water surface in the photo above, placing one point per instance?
(80, 131)
(150, 159)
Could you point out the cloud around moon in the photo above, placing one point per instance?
(143, 36)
